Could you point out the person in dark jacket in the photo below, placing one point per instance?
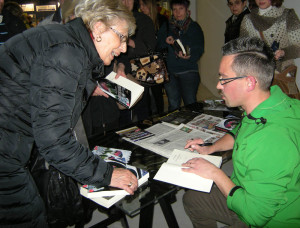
(183, 69)
(10, 25)
(149, 8)
(46, 78)
(139, 45)
(238, 9)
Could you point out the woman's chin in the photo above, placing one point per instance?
(107, 62)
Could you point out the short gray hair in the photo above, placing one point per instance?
(252, 57)
(106, 11)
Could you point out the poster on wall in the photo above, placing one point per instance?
(45, 8)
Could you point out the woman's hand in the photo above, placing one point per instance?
(120, 70)
(99, 92)
(124, 179)
(131, 43)
(181, 55)
(170, 40)
(193, 144)
(279, 54)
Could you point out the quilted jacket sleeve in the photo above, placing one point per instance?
(56, 77)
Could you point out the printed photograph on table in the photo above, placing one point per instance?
(205, 121)
(135, 133)
(112, 153)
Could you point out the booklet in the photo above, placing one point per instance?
(118, 158)
(171, 171)
(125, 91)
(91, 191)
(135, 133)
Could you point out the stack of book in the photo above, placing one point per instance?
(108, 196)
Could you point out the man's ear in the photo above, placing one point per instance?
(251, 83)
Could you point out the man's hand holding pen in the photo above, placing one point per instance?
(199, 145)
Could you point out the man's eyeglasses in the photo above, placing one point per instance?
(123, 38)
(236, 3)
(224, 81)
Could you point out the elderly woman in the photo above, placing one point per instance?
(183, 69)
(278, 27)
(46, 78)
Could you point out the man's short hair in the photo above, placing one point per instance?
(253, 57)
(186, 3)
(241, 1)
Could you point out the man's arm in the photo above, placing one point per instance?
(223, 144)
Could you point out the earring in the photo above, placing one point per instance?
(98, 39)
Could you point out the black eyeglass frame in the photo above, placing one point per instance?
(230, 79)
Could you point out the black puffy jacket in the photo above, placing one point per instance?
(45, 80)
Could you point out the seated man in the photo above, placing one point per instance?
(238, 9)
(264, 188)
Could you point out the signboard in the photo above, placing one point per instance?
(45, 8)
(27, 7)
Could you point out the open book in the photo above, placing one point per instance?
(125, 91)
(108, 196)
(171, 171)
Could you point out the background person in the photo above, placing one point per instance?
(278, 27)
(44, 88)
(149, 7)
(10, 24)
(139, 45)
(183, 69)
(263, 190)
(238, 9)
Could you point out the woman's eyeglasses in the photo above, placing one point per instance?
(123, 38)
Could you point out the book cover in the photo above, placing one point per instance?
(135, 133)
(228, 124)
(118, 158)
(171, 171)
(90, 191)
(107, 153)
(125, 91)
(178, 46)
(107, 201)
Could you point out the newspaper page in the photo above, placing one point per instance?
(167, 137)
(164, 144)
(205, 121)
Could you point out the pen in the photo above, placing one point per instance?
(205, 144)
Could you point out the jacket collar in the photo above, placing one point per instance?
(269, 107)
(82, 33)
